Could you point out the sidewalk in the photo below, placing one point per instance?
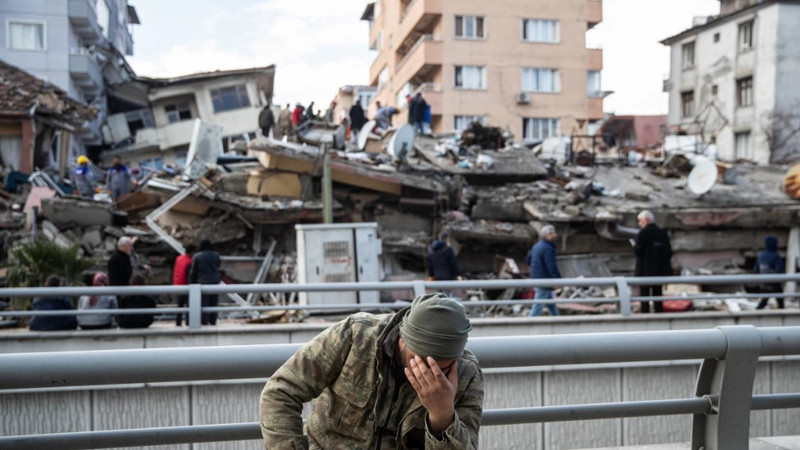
(762, 443)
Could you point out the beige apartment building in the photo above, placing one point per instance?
(521, 64)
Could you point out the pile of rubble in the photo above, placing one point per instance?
(491, 195)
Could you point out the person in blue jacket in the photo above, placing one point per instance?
(769, 261)
(542, 261)
(52, 323)
(442, 264)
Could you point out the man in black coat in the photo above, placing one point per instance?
(266, 120)
(442, 264)
(205, 270)
(417, 112)
(120, 269)
(653, 257)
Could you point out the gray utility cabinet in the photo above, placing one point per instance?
(338, 253)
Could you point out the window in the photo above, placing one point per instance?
(153, 163)
(26, 36)
(714, 90)
(139, 119)
(103, 16)
(364, 98)
(469, 27)
(593, 88)
(746, 35)
(687, 52)
(178, 112)
(470, 77)
(538, 129)
(716, 37)
(744, 92)
(687, 104)
(539, 30)
(229, 98)
(742, 146)
(383, 78)
(461, 123)
(540, 80)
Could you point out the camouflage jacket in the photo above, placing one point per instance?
(360, 403)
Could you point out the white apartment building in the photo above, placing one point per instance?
(733, 78)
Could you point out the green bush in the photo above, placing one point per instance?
(33, 262)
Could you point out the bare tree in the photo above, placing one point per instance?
(780, 127)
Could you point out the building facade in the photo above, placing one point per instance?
(732, 81)
(159, 133)
(347, 96)
(78, 45)
(518, 64)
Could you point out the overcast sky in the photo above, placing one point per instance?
(319, 45)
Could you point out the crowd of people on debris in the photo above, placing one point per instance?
(290, 119)
(199, 264)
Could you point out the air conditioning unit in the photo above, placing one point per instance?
(523, 97)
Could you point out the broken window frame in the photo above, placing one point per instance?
(178, 112)
(139, 119)
(540, 128)
(687, 55)
(461, 123)
(470, 27)
(746, 35)
(744, 92)
(229, 98)
(687, 103)
(470, 77)
(537, 79)
(741, 146)
(543, 31)
(27, 35)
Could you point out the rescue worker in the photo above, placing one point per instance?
(82, 178)
(118, 178)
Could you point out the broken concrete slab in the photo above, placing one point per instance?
(62, 211)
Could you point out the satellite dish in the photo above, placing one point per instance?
(703, 176)
(401, 141)
(364, 134)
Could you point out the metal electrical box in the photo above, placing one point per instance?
(338, 253)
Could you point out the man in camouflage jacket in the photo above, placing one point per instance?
(400, 380)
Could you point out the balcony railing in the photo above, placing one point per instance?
(721, 403)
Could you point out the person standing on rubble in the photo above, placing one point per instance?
(180, 277)
(297, 114)
(83, 179)
(205, 270)
(357, 118)
(769, 261)
(118, 178)
(442, 264)
(417, 113)
(120, 270)
(266, 120)
(284, 125)
(542, 261)
(653, 258)
(384, 117)
(402, 380)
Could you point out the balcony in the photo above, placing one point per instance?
(85, 71)
(594, 13)
(175, 134)
(420, 16)
(425, 55)
(594, 59)
(83, 18)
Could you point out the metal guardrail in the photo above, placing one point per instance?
(721, 405)
(196, 291)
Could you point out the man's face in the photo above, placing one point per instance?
(406, 355)
(551, 236)
(642, 221)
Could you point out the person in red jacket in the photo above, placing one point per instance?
(180, 277)
(297, 114)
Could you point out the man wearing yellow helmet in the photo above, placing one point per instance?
(82, 178)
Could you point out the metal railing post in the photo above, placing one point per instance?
(195, 305)
(728, 385)
(624, 290)
(419, 288)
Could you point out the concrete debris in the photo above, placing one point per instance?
(492, 197)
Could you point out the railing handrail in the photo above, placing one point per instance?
(722, 424)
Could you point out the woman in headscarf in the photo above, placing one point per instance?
(97, 321)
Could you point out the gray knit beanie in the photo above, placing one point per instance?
(436, 326)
